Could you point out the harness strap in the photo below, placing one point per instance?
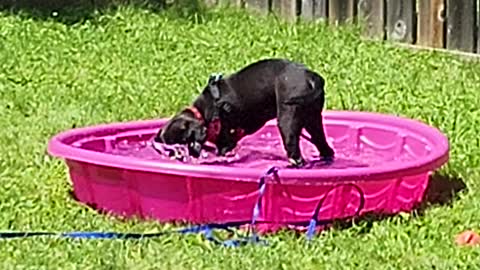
(212, 80)
(213, 128)
(196, 113)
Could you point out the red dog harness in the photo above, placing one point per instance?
(215, 126)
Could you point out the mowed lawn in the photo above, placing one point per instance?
(134, 63)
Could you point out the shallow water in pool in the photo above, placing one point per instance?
(266, 149)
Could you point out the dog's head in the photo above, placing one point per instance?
(184, 129)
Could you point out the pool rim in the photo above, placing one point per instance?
(437, 158)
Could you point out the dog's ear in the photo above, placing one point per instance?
(159, 136)
(180, 124)
(184, 125)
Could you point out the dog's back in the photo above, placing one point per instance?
(270, 80)
(258, 88)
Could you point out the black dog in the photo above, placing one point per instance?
(240, 104)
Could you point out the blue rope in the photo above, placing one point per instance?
(256, 209)
(115, 235)
(314, 220)
(206, 229)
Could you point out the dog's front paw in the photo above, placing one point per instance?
(223, 151)
(296, 162)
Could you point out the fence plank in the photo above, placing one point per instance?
(231, 3)
(372, 13)
(461, 24)
(260, 6)
(314, 9)
(431, 20)
(210, 3)
(340, 10)
(227, 3)
(277, 6)
(289, 9)
(307, 9)
(286, 9)
(320, 9)
(400, 20)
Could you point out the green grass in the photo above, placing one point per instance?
(133, 63)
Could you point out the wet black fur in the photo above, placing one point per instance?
(247, 99)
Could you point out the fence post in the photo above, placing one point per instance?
(289, 9)
(400, 20)
(320, 9)
(307, 9)
(372, 13)
(210, 3)
(431, 20)
(461, 25)
(478, 32)
(260, 6)
(286, 9)
(340, 10)
(230, 3)
(314, 9)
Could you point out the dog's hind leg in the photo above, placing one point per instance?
(314, 126)
(290, 123)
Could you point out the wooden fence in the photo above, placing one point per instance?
(449, 24)
(440, 24)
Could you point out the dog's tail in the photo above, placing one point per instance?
(315, 84)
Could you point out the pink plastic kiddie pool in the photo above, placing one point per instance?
(382, 165)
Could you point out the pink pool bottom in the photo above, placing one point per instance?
(115, 169)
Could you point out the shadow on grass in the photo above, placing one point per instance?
(71, 12)
(441, 191)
